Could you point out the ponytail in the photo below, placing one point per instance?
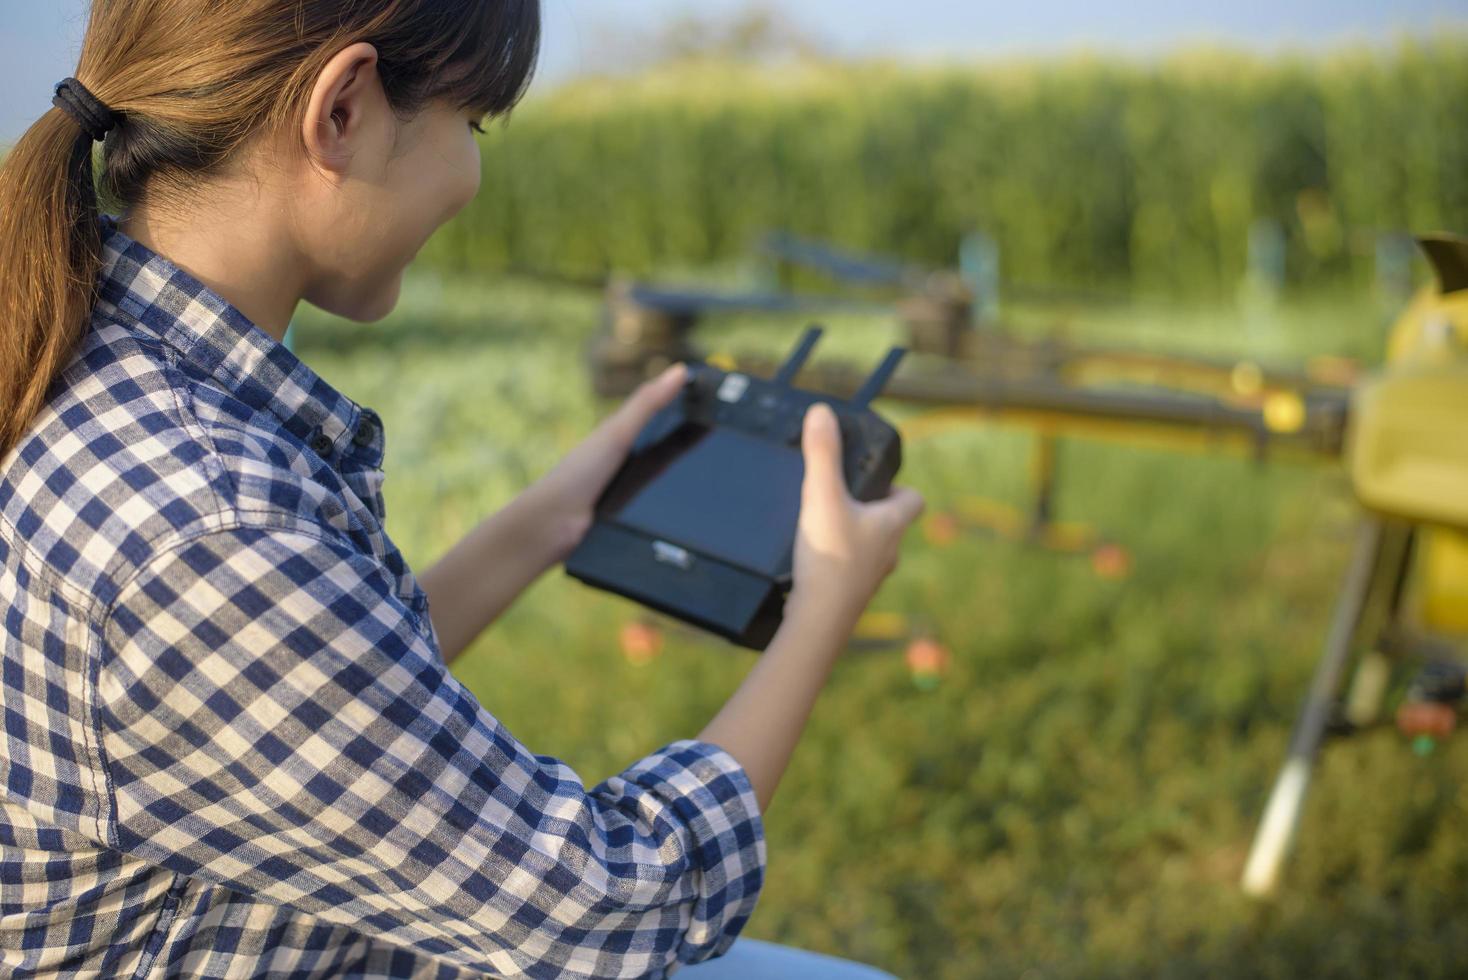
(50, 252)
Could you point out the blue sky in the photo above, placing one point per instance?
(40, 39)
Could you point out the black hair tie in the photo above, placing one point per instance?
(90, 113)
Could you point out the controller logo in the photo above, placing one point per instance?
(671, 554)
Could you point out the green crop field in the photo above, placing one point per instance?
(1076, 797)
(1087, 170)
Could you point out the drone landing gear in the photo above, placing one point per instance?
(1378, 571)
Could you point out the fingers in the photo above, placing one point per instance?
(820, 444)
(656, 392)
(645, 401)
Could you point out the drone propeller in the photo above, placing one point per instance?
(841, 264)
(690, 302)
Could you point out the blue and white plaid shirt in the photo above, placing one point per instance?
(232, 746)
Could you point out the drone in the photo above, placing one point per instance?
(966, 368)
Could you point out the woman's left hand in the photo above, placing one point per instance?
(478, 579)
(567, 494)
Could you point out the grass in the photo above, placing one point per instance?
(1076, 798)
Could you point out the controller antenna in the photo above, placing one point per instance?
(797, 357)
(878, 378)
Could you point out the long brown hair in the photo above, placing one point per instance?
(191, 81)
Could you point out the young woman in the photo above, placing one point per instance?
(232, 746)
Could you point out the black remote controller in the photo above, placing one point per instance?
(700, 521)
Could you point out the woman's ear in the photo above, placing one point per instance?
(346, 91)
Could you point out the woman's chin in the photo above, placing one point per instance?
(366, 303)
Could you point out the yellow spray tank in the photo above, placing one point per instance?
(1407, 444)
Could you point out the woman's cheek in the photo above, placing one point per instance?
(473, 172)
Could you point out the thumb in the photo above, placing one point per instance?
(646, 400)
(820, 444)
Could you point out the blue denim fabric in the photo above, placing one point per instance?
(753, 959)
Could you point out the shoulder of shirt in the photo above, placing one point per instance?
(133, 454)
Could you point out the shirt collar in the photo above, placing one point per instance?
(216, 337)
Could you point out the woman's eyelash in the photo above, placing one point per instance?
(475, 126)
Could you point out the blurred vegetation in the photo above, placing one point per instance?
(1076, 798)
(1087, 171)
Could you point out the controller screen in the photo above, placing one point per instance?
(723, 492)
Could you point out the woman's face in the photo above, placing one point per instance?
(378, 188)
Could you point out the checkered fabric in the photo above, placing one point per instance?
(231, 745)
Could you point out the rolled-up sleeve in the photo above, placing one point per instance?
(274, 719)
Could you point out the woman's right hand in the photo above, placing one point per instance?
(844, 548)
